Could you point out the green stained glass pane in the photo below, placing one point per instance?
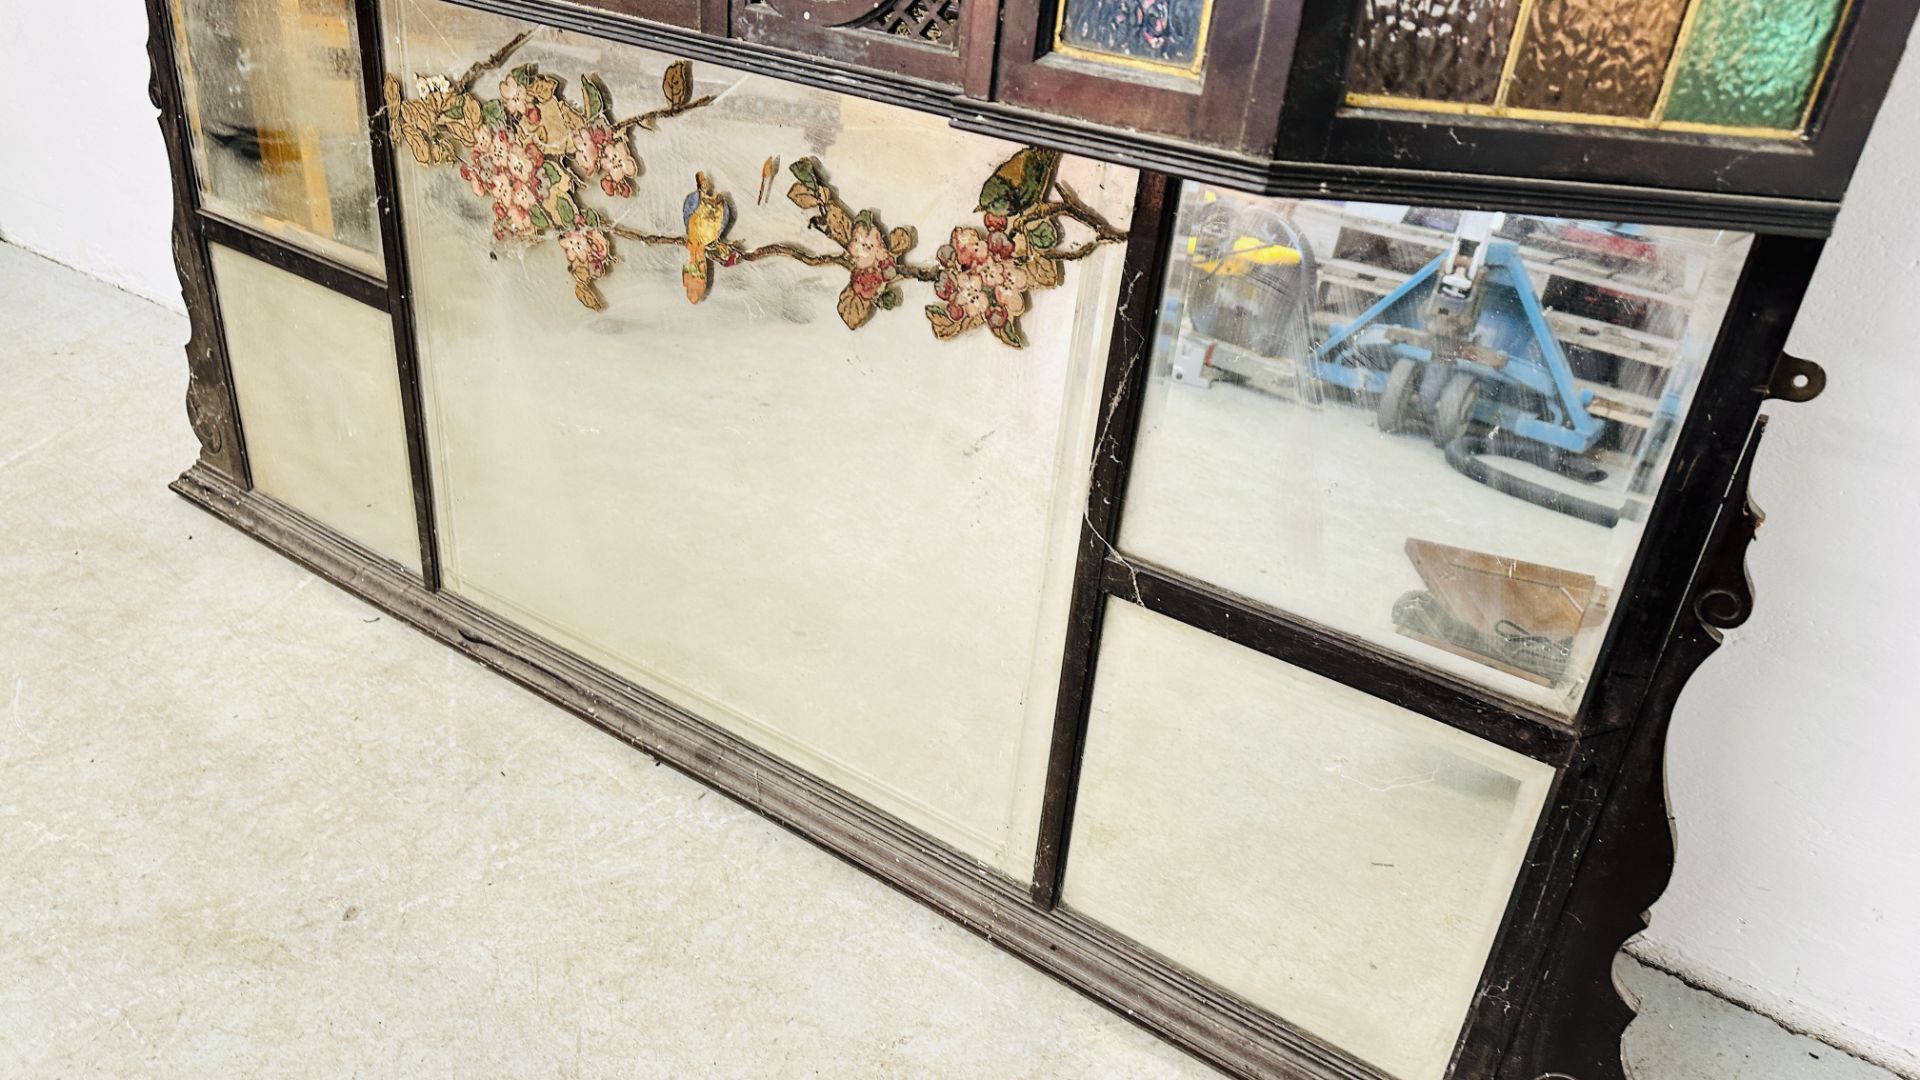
(1752, 63)
(1436, 50)
(1605, 57)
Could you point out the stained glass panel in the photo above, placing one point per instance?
(1604, 57)
(1435, 50)
(1752, 63)
(1163, 33)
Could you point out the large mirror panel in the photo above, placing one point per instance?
(1436, 430)
(1338, 861)
(778, 403)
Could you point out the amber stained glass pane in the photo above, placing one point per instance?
(1437, 50)
(1752, 63)
(1603, 57)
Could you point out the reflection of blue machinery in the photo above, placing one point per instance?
(1447, 350)
(1463, 346)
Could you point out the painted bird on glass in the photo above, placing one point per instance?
(708, 216)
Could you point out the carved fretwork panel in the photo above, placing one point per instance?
(922, 39)
(935, 22)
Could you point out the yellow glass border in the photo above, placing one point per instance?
(1654, 122)
(1187, 71)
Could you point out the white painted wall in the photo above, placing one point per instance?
(1792, 765)
(1794, 750)
(83, 171)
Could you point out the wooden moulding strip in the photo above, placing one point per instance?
(1193, 1015)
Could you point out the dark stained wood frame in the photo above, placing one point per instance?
(826, 28)
(1234, 105)
(1318, 126)
(1599, 856)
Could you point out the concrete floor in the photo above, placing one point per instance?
(249, 827)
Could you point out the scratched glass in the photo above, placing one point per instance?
(279, 121)
(1336, 860)
(1753, 63)
(1436, 430)
(1433, 50)
(1602, 57)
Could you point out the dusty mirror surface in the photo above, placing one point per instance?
(1436, 430)
(1336, 860)
(319, 396)
(279, 121)
(659, 439)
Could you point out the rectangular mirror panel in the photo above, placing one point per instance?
(1436, 430)
(319, 395)
(1338, 861)
(658, 441)
(279, 122)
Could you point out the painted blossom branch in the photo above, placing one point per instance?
(646, 119)
(500, 56)
(1071, 205)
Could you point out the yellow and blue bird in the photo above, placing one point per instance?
(708, 217)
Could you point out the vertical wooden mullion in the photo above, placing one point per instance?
(399, 283)
(1142, 280)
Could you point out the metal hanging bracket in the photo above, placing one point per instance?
(1795, 379)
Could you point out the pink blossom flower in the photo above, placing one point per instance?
(586, 149)
(969, 247)
(513, 96)
(617, 158)
(868, 248)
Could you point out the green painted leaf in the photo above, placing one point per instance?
(551, 172)
(564, 209)
(523, 74)
(996, 196)
(494, 113)
(807, 171)
(866, 217)
(540, 218)
(595, 95)
(888, 299)
(1044, 233)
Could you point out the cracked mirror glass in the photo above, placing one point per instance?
(1338, 861)
(1436, 430)
(279, 121)
(777, 402)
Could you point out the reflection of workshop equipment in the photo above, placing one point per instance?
(1519, 617)
(1452, 347)
(1462, 343)
(1251, 291)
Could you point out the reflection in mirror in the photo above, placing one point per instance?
(781, 424)
(1437, 430)
(278, 119)
(1331, 858)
